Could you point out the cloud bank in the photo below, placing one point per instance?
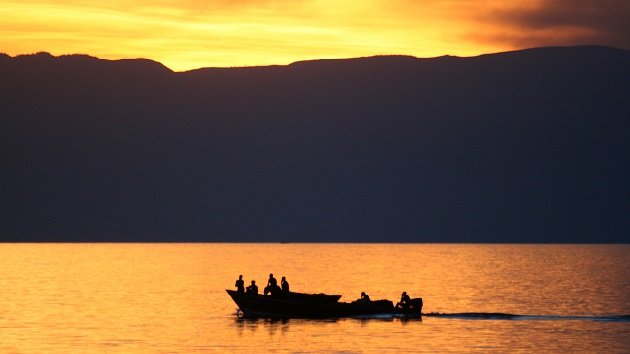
(559, 22)
(193, 33)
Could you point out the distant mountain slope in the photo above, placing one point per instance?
(526, 146)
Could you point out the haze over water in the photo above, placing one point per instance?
(170, 297)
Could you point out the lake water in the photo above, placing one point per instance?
(72, 298)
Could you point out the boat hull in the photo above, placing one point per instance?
(268, 306)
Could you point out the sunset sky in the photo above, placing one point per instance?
(188, 34)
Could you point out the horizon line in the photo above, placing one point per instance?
(321, 243)
(43, 52)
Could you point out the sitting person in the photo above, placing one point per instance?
(272, 286)
(252, 289)
(285, 285)
(364, 297)
(405, 301)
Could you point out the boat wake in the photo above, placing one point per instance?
(509, 316)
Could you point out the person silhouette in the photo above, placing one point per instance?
(285, 285)
(405, 301)
(240, 284)
(364, 297)
(252, 289)
(272, 284)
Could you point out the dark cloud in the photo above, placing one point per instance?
(565, 22)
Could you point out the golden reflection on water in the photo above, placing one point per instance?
(171, 298)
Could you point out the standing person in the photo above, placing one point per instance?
(252, 289)
(240, 284)
(285, 285)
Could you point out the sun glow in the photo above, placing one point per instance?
(191, 34)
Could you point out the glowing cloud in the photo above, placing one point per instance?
(193, 33)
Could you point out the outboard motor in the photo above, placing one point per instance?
(415, 305)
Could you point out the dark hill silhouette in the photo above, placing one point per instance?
(526, 146)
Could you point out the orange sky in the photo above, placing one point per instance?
(189, 34)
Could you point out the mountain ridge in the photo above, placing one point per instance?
(47, 56)
(527, 146)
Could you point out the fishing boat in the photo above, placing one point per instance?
(317, 306)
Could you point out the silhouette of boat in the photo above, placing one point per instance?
(297, 305)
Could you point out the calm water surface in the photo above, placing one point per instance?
(130, 298)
